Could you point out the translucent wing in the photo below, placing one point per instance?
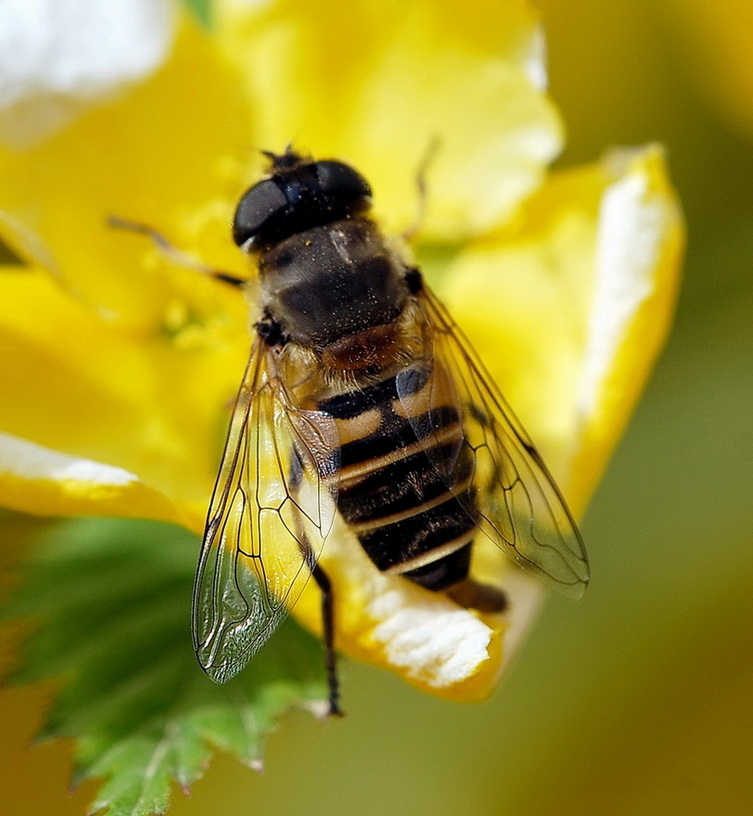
(514, 499)
(272, 508)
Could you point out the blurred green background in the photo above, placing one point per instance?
(639, 699)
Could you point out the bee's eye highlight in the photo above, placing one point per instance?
(259, 204)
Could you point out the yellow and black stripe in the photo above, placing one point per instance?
(410, 518)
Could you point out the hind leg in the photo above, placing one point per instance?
(328, 624)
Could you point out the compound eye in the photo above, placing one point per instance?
(259, 204)
(341, 182)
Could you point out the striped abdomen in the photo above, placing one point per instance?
(406, 517)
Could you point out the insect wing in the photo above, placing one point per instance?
(272, 508)
(516, 502)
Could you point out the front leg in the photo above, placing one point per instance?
(172, 253)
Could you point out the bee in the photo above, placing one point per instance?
(362, 399)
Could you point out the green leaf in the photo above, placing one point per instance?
(202, 10)
(111, 599)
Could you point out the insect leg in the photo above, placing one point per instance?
(328, 624)
(431, 151)
(171, 252)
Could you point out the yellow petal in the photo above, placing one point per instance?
(376, 84)
(422, 636)
(640, 246)
(569, 306)
(153, 156)
(150, 407)
(38, 480)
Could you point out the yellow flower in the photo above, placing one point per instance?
(121, 365)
